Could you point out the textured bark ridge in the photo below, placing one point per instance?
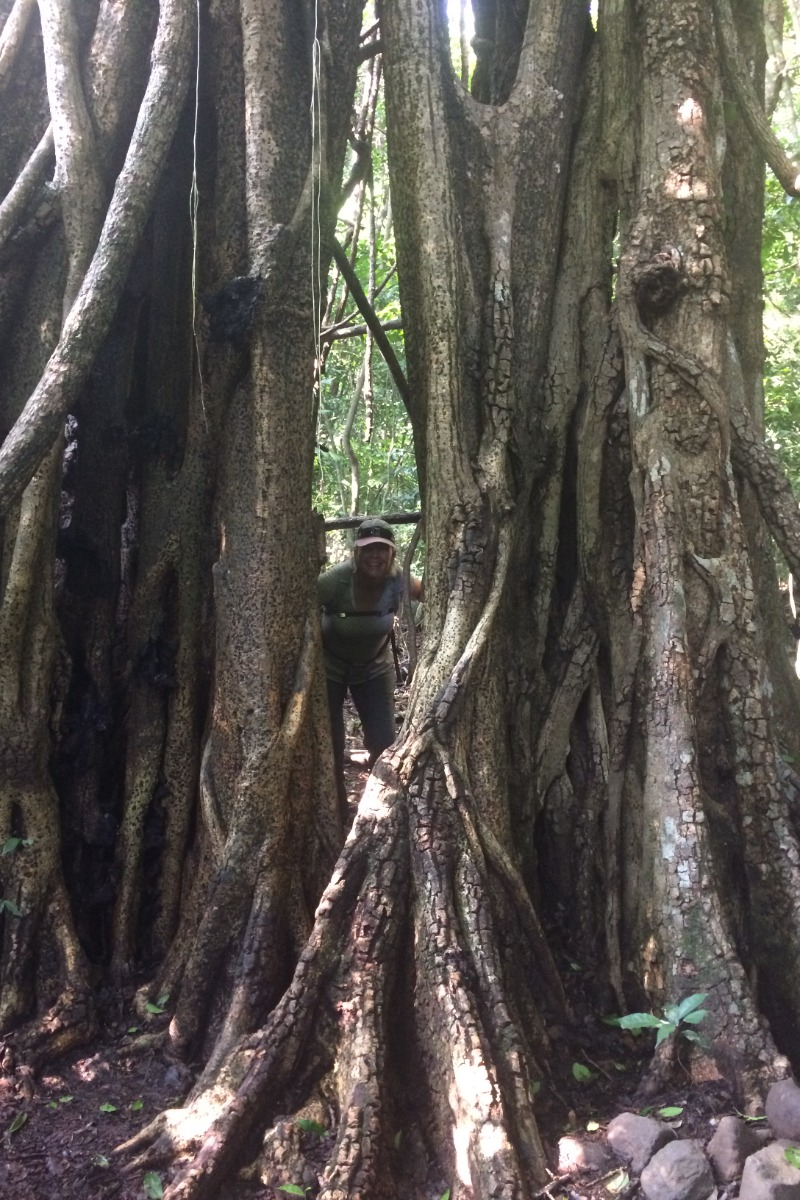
(416, 941)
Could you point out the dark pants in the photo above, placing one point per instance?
(374, 701)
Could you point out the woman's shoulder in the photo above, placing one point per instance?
(333, 580)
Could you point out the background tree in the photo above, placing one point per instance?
(180, 739)
(596, 757)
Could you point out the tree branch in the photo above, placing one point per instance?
(369, 315)
(786, 171)
(12, 35)
(77, 164)
(95, 305)
(26, 185)
(336, 335)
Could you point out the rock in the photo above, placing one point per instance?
(579, 1155)
(768, 1176)
(730, 1146)
(679, 1171)
(635, 1139)
(783, 1109)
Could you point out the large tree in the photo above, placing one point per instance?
(596, 756)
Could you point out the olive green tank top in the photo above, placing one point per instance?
(357, 642)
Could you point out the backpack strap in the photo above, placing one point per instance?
(335, 608)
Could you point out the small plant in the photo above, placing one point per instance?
(153, 1186)
(581, 1073)
(108, 1107)
(792, 1156)
(293, 1189)
(10, 907)
(676, 1018)
(10, 845)
(309, 1126)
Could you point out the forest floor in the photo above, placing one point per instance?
(59, 1129)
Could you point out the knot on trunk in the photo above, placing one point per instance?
(658, 282)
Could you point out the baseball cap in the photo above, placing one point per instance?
(374, 530)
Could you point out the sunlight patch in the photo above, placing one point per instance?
(690, 112)
(376, 801)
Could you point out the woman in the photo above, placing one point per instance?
(359, 601)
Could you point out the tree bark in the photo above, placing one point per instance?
(593, 762)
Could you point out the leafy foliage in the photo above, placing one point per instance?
(383, 478)
(675, 1019)
(781, 263)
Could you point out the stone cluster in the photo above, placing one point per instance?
(741, 1160)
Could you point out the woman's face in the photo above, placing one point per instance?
(374, 561)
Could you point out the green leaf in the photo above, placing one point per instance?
(792, 1156)
(19, 1120)
(617, 1182)
(65, 1099)
(694, 1018)
(132, 1029)
(692, 1036)
(309, 1126)
(163, 999)
(108, 1107)
(10, 845)
(581, 1073)
(690, 1004)
(10, 907)
(640, 1021)
(136, 1105)
(445, 1195)
(153, 1187)
(664, 1032)
(153, 1008)
(672, 1110)
(53, 1104)
(100, 1160)
(535, 1087)
(292, 1189)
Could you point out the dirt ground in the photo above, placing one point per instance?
(59, 1130)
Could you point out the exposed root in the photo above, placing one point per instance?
(67, 1025)
(481, 1088)
(337, 1020)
